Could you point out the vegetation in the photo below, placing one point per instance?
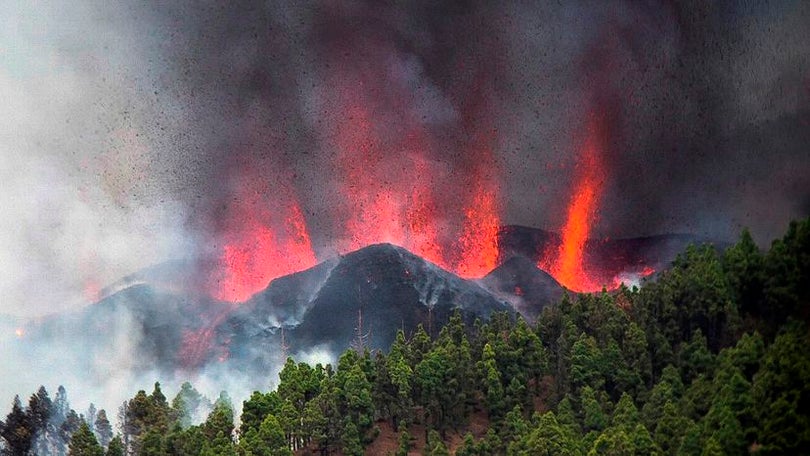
(710, 358)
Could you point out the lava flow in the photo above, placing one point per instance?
(566, 261)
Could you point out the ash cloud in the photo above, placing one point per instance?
(708, 104)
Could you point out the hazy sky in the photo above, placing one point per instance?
(129, 128)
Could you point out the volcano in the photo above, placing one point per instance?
(361, 299)
(521, 283)
(610, 262)
(161, 321)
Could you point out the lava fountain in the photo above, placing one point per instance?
(566, 261)
(267, 244)
(394, 190)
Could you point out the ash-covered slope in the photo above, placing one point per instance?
(149, 325)
(160, 328)
(160, 320)
(386, 287)
(526, 287)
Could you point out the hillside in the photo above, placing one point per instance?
(710, 358)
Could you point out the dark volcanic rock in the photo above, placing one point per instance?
(159, 328)
(606, 258)
(160, 320)
(286, 299)
(386, 286)
(524, 285)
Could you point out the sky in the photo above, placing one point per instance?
(134, 133)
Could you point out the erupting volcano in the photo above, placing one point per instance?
(567, 260)
(266, 240)
(400, 164)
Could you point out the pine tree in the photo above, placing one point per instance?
(17, 430)
(268, 440)
(745, 268)
(779, 390)
(514, 427)
(593, 418)
(585, 363)
(566, 417)
(70, 426)
(670, 428)
(152, 444)
(257, 407)
(187, 404)
(637, 354)
(352, 444)
(185, 442)
(614, 441)
(691, 443)
(220, 421)
(40, 411)
(549, 438)
(116, 447)
(401, 377)
(84, 443)
(356, 395)
(404, 440)
(642, 441)
(103, 429)
(55, 438)
(493, 386)
(468, 447)
(133, 418)
(159, 415)
(419, 345)
(90, 416)
(626, 414)
(435, 445)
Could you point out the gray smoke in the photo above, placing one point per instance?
(708, 104)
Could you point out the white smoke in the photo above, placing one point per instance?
(78, 207)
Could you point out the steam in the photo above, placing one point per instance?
(81, 205)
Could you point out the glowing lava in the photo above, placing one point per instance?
(261, 251)
(479, 239)
(196, 345)
(389, 169)
(566, 262)
(390, 194)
